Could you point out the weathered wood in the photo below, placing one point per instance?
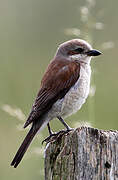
(83, 154)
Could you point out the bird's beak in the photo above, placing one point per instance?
(93, 52)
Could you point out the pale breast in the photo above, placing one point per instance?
(77, 95)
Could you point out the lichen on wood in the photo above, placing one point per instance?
(83, 154)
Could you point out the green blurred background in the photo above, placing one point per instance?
(30, 31)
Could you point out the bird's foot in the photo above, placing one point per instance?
(56, 136)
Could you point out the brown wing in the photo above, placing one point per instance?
(60, 76)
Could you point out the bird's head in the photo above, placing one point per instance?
(77, 49)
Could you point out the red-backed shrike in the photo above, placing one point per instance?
(64, 89)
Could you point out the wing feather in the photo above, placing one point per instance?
(60, 76)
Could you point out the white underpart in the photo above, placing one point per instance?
(78, 94)
(75, 97)
(81, 58)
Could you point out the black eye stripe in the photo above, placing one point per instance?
(76, 51)
(79, 50)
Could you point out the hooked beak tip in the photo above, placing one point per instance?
(94, 52)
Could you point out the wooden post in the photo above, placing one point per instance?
(83, 154)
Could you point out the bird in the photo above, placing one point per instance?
(64, 89)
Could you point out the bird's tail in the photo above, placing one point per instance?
(23, 148)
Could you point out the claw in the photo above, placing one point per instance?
(55, 136)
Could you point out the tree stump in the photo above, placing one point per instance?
(83, 154)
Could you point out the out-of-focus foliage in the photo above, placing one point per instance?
(30, 32)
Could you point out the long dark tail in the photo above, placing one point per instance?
(23, 148)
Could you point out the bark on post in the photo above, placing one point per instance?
(83, 154)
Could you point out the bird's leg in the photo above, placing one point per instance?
(49, 129)
(64, 123)
(54, 136)
(51, 135)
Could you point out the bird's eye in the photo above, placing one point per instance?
(79, 50)
(76, 51)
